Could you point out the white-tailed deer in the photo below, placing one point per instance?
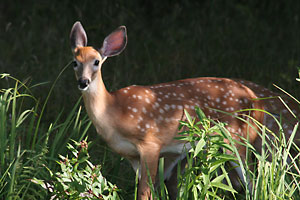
(140, 122)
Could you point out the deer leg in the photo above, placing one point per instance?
(149, 156)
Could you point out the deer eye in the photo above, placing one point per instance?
(96, 63)
(74, 64)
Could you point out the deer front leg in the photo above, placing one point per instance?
(149, 156)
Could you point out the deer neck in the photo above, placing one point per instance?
(98, 102)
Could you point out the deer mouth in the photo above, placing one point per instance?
(83, 84)
(83, 89)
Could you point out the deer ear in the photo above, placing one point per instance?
(78, 36)
(114, 43)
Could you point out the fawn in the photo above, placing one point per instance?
(140, 122)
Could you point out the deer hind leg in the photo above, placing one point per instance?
(149, 156)
(248, 132)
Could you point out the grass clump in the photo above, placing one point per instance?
(27, 145)
(274, 174)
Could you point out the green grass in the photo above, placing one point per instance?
(206, 173)
(30, 147)
(26, 144)
(30, 150)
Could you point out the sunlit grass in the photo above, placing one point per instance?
(26, 144)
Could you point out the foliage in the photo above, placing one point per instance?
(279, 177)
(205, 171)
(26, 145)
(78, 178)
(277, 173)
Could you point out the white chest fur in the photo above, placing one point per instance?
(116, 141)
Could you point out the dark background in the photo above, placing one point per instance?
(167, 40)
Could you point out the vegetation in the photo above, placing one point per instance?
(79, 178)
(272, 178)
(25, 146)
(252, 40)
(29, 151)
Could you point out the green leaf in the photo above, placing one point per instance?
(23, 116)
(199, 147)
(218, 179)
(189, 118)
(223, 186)
(200, 114)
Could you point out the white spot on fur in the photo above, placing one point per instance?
(161, 111)
(144, 110)
(147, 100)
(160, 118)
(140, 119)
(166, 107)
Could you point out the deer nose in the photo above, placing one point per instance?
(83, 83)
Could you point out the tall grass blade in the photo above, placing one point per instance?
(44, 106)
